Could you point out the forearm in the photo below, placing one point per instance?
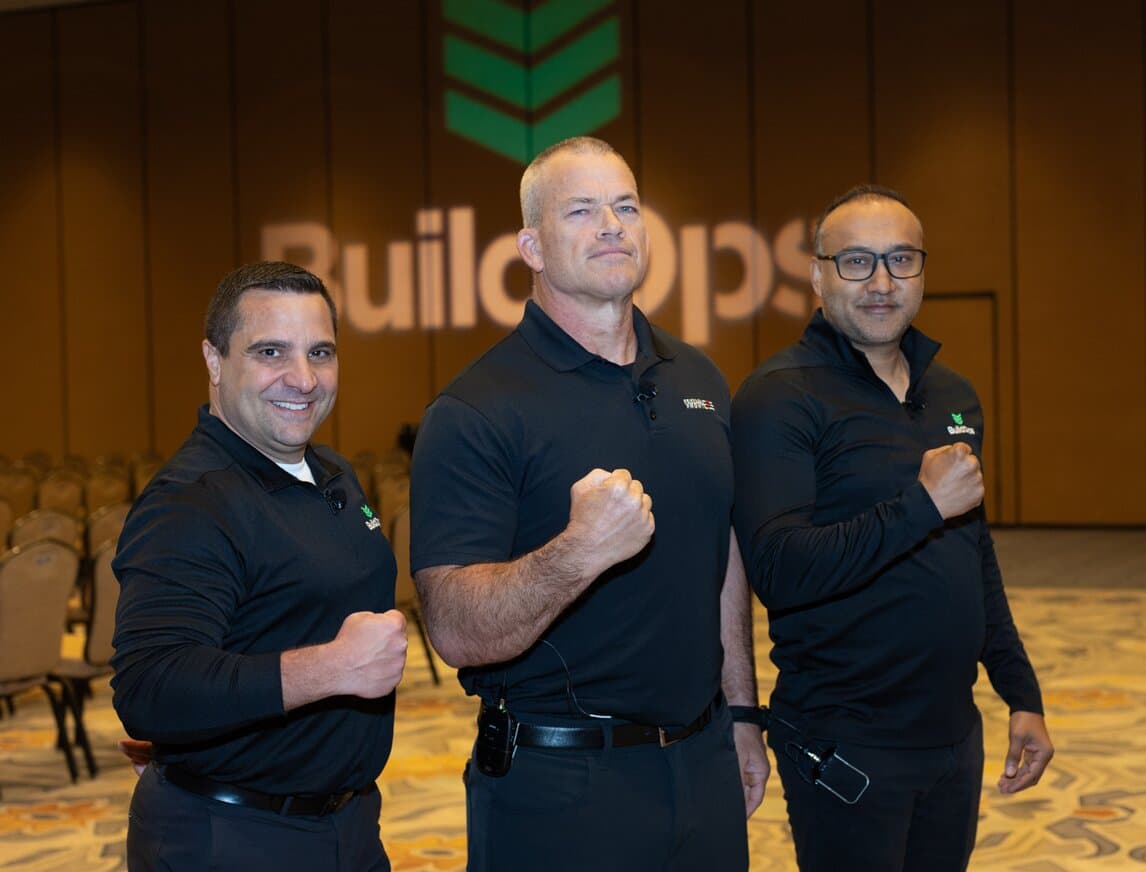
(791, 556)
(738, 676)
(791, 562)
(308, 675)
(1004, 657)
(365, 659)
(491, 612)
(193, 693)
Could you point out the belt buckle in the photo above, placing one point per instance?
(335, 803)
(665, 739)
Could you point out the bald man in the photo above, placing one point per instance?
(571, 504)
(859, 512)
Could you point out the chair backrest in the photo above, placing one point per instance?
(143, 467)
(48, 524)
(393, 494)
(405, 594)
(35, 582)
(18, 488)
(105, 487)
(5, 523)
(63, 491)
(105, 595)
(39, 462)
(363, 464)
(105, 524)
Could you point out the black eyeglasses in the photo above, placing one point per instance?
(859, 264)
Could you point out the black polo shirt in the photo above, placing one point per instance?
(496, 455)
(879, 610)
(226, 561)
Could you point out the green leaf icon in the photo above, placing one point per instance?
(368, 512)
(957, 417)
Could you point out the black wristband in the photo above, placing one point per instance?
(750, 714)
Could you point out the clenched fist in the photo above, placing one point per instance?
(953, 479)
(610, 517)
(370, 651)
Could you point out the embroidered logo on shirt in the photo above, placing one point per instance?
(693, 403)
(372, 521)
(957, 417)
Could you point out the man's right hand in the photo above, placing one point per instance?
(370, 652)
(610, 517)
(953, 479)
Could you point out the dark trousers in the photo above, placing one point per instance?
(638, 809)
(172, 830)
(918, 814)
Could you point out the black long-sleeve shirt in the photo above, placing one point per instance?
(879, 611)
(226, 561)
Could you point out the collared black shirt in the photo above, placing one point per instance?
(225, 561)
(879, 611)
(496, 455)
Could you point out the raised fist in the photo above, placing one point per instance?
(610, 517)
(953, 479)
(371, 652)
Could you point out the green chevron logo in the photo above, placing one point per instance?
(531, 77)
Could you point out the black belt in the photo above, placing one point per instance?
(298, 804)
(624, 735)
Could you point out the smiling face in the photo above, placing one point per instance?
(279, 379)
(874, 313)
(590, 242)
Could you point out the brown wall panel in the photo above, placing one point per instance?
(30, 298)
(190, 182)
(186, 131)
(1081, 322)
(378, 156)
(695, 155)
(109, 395)
(282, 160)
(810, 110)
(942, 139)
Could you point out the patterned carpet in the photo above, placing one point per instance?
(1079, 598)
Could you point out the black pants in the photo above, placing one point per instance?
(171, 829)
(919, 814)
(638, 809)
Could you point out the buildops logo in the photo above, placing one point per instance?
(372, 520)
(521, 75)
(959, 427)
(522, 80)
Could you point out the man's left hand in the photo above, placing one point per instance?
(1030, 752)
(754, 766)
(138, 751)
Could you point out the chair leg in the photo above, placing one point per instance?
(62, 731)
(73, 692)
(426, 645)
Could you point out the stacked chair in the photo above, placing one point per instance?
(18, 484)
(35, 583)
(76, 674)
(54, 524)
(61, 490)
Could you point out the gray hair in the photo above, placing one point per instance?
(531, 186)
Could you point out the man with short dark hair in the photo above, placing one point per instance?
(859, 511)
(257, 645)
(590, 627)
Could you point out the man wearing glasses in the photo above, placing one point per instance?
(859, 514)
